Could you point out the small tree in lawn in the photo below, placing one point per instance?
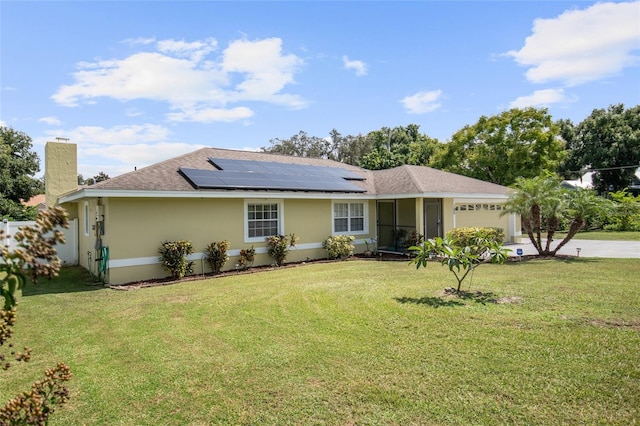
(461, 260)
(35, 257)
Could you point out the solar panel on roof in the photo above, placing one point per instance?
(265, 175)
(227, 164)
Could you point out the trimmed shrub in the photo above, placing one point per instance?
(216, 255)
(339, 247)
(247, 256)
(279, 246)
(173, 255)
(469, 236)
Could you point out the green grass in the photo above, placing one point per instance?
(358, 342)
(604, 236)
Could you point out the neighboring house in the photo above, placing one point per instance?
(37, 201)
(218, 194)
(586, 182)
(583, 182)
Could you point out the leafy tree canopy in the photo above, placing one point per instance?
(18, 165)
(499, 149)
(607, 141)
(379, 149)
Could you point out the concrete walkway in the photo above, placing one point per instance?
(588, 248)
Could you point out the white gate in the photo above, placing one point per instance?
(67, 252)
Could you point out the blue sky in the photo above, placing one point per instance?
(136, 82)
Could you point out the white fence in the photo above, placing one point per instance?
(67, 252)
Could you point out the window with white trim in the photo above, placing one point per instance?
(349, 218)
(263, 219)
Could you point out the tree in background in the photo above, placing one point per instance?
(543, 205)
(398, 146)
(18, 165)
(501, 148)
(379, 149)
(302, 145)
(607, 141)
(102, 176)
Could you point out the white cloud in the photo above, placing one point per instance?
(541, 98)
(208, 115)
(422, 102)
(52, 121)
(117, 135)
(137, 155)
(265, 69)
(183, 75)
(358, 66)
(582, 45)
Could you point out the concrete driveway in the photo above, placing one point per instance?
(588, 248)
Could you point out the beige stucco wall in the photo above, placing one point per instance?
(61, 170)
(135, 228)
(483, 216)
(447, 215)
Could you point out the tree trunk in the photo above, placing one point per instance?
(528, 228)
(536, 225)
(552, 225)
(576, 225)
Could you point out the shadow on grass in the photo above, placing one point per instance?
(72, 279)
(434, 302)
(478, 296)
(451, 299)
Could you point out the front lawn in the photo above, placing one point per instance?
(357, 342)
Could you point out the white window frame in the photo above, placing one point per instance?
(248, 202)
(349, 231)
(86, 213)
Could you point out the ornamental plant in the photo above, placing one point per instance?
(461, 260)
(173, 255)
(247, 256)
(279, 246)
(34, 257)
(216, 255)
(469, 236)
(339, 247)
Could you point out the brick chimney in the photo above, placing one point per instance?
(60, 169)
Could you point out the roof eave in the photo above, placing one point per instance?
(115, 193)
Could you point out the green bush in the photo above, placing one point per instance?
(626, 212)
(471, 236)
(279, 246)
(247, 256)
(217, 256)
(339, 247)
(173, 255)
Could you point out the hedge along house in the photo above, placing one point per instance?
(214, 194)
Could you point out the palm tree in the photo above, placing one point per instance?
(542, 204)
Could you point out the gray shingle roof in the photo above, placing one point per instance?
(165, 176)
(409, 179)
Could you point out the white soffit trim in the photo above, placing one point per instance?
(457, 196)
(93, 193)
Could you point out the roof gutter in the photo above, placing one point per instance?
(86, 193)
